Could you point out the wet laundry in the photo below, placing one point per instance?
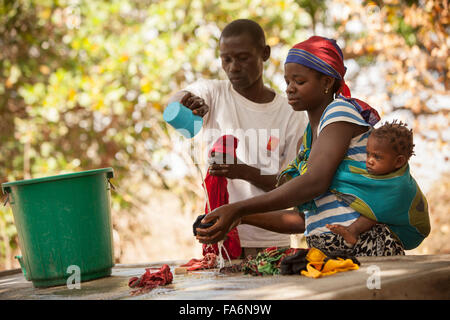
(266, 262)
(198, 224)
(217, 195)
(152, 278)
(314, 263)
(311, 262)
(209, 261)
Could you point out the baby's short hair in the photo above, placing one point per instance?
(398, 136)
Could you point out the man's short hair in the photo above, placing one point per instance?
(245, 26)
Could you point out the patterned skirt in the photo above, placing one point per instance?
(378, 241)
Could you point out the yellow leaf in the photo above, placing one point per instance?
(370, 48)
(99, 105)
(45, 14)
(72, 94)
(146, 86)
(94, 47)
(157, 106)
(9, 83)
(124, 57)
(44, 69)
(272, 41)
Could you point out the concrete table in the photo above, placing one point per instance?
(399, 277)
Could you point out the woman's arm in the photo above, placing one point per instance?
(326, 154)
(285, 221)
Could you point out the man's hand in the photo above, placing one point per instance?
(227, 166)
(230, 171)
(195, 103)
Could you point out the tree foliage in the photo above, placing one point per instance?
(83, 83)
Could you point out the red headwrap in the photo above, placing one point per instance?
(324, 55)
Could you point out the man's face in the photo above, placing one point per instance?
(242, 60)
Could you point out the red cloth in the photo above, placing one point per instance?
(150, 280)
(208, 262)
(216, 188)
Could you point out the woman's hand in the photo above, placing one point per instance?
(225, 218)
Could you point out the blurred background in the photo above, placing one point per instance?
(83, 85)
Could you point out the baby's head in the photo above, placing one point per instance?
(389, 148)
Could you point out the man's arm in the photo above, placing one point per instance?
(244, 172)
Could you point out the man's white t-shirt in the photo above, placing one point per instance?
(268, 134)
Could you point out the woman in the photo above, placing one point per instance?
(338, 128)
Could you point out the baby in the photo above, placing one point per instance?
(388, 149)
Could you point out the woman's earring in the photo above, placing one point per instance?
(326, 90)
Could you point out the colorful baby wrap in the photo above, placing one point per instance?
(394, 199)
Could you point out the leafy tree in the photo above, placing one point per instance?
(83, 83)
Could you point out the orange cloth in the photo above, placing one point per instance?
(320, 265)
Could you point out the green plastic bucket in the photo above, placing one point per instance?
(64, 225)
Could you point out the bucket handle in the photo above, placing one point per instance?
(6, 200)
(22, 266)
(109, 176)
(7, 190)
(111, 184)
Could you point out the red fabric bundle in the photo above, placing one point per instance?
(218, 196)
(150, 280)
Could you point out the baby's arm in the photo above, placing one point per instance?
(352, 232)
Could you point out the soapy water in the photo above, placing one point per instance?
(221, 263)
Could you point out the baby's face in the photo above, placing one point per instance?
(381, 158)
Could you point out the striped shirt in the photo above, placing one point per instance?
(330, 210)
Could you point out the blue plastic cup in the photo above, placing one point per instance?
(182, 119)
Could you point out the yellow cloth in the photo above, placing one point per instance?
(318, 266)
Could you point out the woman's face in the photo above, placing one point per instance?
(305, 87)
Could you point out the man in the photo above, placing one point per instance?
(266, 126)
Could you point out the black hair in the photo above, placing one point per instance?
(245, 26)
(336, 84)
(399, 137)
